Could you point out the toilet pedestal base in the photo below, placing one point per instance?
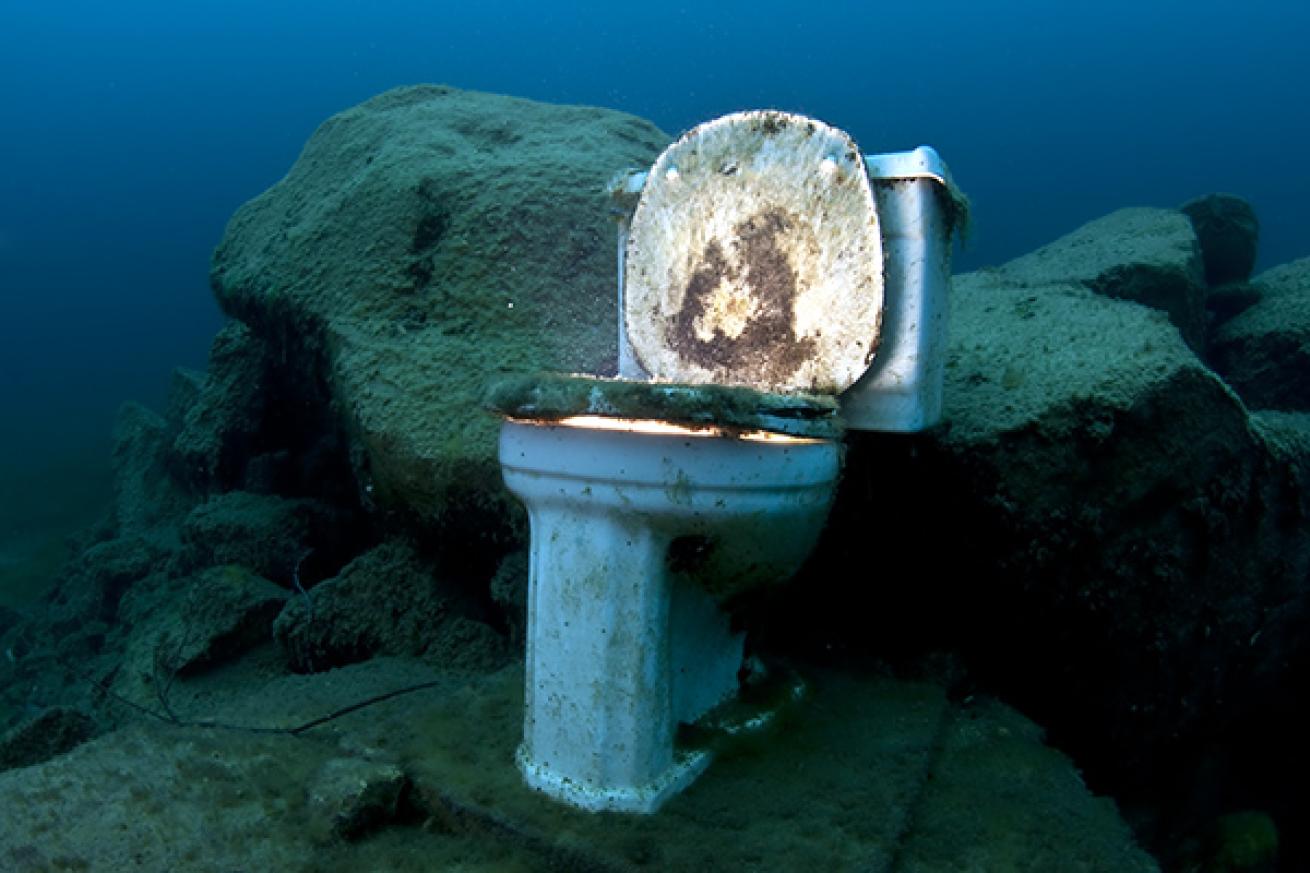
(646, 798)
(620, 650)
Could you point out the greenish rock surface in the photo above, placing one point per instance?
(95, 581)
(174, 627)
(425, 242)
(357, 796)
(219, 416)
(147, 500)
(227, 611)
(1102, 462)
(866, 774)
(51, 732)
(1100, 527)
(1264, 352)
(1229, 233)
(1148, 256)
(388, 601)
(270, 535)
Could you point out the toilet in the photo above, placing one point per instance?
(776, 289)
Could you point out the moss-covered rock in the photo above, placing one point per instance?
(1126, 511)
(94, 582)
(350, 797)
(1148, 256)
(51, 732)
(217, 430)
(226, 611)
(267, 534)
(147, 500)
(425, 241)
(1264, 351)
(871, 774)
(389, 601)
(1100, 526)
(1229, 233)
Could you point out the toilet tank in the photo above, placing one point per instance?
(919, 209)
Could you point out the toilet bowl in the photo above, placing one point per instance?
(642, 529)
(752, 295)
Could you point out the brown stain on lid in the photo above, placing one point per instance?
(759, 268)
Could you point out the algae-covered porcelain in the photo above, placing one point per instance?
(754, 258)
(640, 531)
(730, 409)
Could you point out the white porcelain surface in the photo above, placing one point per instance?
(902, 391)
(636, 540)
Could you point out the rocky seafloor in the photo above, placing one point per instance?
(1067, 629)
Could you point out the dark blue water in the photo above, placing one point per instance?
(129, 133)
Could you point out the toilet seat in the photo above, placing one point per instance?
(754, 258)
(731, 410)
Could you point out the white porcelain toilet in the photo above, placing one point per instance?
(771, 295)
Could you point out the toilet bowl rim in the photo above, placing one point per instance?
(592, 468)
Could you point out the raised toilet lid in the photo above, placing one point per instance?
(754, 258)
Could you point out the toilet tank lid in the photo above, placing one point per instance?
(553, 396)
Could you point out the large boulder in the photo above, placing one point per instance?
(1148, 256)
(226, 611)
(181, 627)
(272, 536)
(389, 601)
(93, 583)
(147, 500)
(218, 428)
(213, 422)
(1101, 527)
(425, 241)
(1229, 234)
(1264, 352)
(1124, 526)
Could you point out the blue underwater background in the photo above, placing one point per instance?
(131, 131)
